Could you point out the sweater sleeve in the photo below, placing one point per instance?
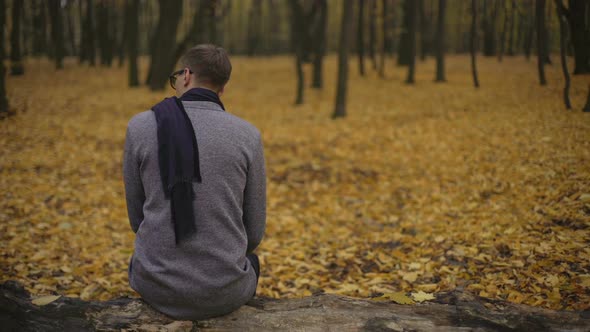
(134, 193)
(254, 216)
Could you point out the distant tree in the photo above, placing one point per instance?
(561, 15)
(541, 57)
(489, 18)
(440, 42)
(4, 110)
(578, 18)
(425, 29)
(473, 42)
(510, 48)
(254, 27)
(404, 48)
(360, 34)
(57, 32)
(530, 29)
(385, 34)
(298, 37)
(163, 43)
(373, 32)
(412, 14)
(503, 32)
(16, 64)
(39, 27)
(87, 37)
(131, 39)
(319, 41)
(70, 33)
(343, 48)
(103, 27)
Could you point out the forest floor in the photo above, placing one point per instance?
(426, 188)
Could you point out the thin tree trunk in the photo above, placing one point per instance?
(540, 18)
(503, 34)
(360, 37)
(16, 64)
(440, 42)
(297, 29)
(373, 32)
(39, 27)
(528, 43)
(320, 45)
(4, 110)
(88, 43)
(131, 36)
(195, 32)
(385, 32)
(341, 90)
(412, 15)
(510, 50)
(57, 34)
(404, 48)
(562, 46)
(473, 43)
(254, 18)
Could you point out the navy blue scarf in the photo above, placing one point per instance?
(178, 157)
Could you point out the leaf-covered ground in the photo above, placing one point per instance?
(421, 188)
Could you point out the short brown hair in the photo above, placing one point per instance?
(209, 62)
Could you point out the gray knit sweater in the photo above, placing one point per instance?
(207, 275)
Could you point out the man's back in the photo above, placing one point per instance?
(208, 274)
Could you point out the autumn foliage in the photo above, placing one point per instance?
(421, 189)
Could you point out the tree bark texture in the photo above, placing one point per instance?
(454, 311)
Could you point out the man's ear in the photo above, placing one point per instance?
(187, 77)
(220, 92)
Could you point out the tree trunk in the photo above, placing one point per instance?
(563, 45)
(373, 32)
(71, 33)
(16, 64)
(320, 44)
(4, 110)
(39, 27)
(473, 43)
(343, 49)
(528, 42)
(297, 30)
(162, 57)
(404, 47)
(489, 18)
(540, 18)
(413, 18)
(105, 40)
(87, 42)
(385, 34)
(503, 33)
(360, 34)
(453, 311)
(425, 31)
(440, 42)
(510, 49)
(195, 34)
(254, 17)
(131, 39)
(57, 32)
(579, 21)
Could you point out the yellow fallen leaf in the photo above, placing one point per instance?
(410, 276)
(397, 297)
(43, 300)
(421, 296)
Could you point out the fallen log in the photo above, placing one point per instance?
(451, 311)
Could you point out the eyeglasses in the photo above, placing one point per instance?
(174, 75)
